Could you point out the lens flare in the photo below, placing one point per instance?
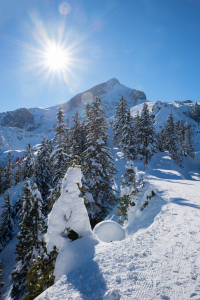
(87, 98)
(64, 8)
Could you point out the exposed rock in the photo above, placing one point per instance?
(18, 118)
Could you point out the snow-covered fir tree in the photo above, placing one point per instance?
(61, 127)
(29, 163)
(119, 120)
(49, 145)
(2, 284)
(180, 131)
(128, 191)
(2, 178)
(98, 165)
(78, 136)
(18, 172)
(67, 136)
(128, 142)
(188, 143)
(8, 172)
(195, 112)
(6, 221)
(59, 159)
(160, 140)
(146, 135)
(29, 244)
(43, 174)
(40, 276)
(171, 140)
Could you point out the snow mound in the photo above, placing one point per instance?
(68, 214)
(109, 231)
(113, 294)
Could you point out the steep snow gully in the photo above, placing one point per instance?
(159, 257)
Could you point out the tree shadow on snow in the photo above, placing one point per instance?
(166, 174)
(85, 279)
(181, 201)
(88, 280)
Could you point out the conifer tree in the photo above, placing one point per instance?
(146, 135)
(195, 112)
(18, 173)
(59, 159)
(40, 275)
(8, 179)
(119, 120)
(50, 146)
(128, 140)
(83, 135)
(29, 238)
(29, 163)
(43, 174)
(2, 284)
(67, 136)
(98, 165)
(86, 114)
(6, 218)
(181, 135)
(60, 129)
(77, 134)
(171, 140)
(160, 140)
(188, 143)
(128, 191)
(2, 178)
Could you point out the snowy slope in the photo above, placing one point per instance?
(160, 111)
(159, 258)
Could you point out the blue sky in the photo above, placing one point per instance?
(151, 45)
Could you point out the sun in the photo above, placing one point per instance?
(56, 58)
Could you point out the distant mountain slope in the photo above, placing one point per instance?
(39, 120)
(31, 125)
(19, 127)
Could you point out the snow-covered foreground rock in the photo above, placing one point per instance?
(159, 258)
(109, 231)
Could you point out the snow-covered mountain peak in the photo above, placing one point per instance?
(111, 82)
(41, 121)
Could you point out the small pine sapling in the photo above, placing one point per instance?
(129, 190)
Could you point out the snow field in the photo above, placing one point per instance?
(158, 259)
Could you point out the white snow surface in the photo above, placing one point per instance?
(109, 231)
(69, 212)
(159, 257)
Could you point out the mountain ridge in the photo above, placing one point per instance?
(33, 119)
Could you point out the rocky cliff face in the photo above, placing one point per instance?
(21, 118)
